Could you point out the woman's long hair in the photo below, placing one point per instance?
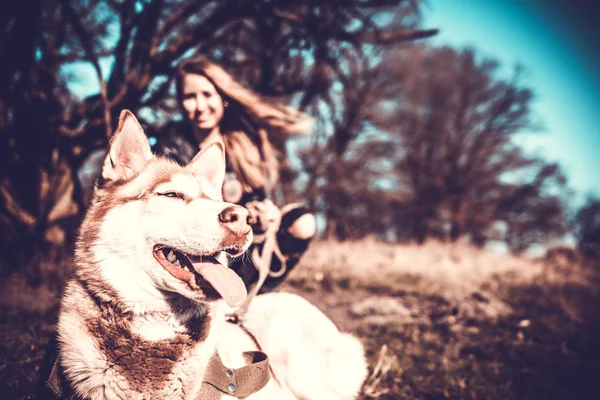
(246, 121)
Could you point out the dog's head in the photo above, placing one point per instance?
(155, 226)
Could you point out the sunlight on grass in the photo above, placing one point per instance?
(455, 270)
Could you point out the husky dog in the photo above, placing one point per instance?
(146, 311)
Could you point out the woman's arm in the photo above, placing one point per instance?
(265, 214)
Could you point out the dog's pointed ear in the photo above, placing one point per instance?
(128, 150)
(209, 163)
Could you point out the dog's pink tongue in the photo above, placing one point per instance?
(229, 285)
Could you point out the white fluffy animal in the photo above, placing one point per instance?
(146, 310)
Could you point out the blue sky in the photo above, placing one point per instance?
(548, 37)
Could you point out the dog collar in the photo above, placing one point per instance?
(239, 382)
(218, 379)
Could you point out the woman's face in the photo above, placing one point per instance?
(202, 103)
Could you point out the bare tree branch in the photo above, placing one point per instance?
(391, 37)
(84, 39)
(191, 8)
(216, 20)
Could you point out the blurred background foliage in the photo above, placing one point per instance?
(411, 142)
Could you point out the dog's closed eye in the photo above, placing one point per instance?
(172, 194)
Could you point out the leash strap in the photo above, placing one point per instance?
(262, 262)
(241, 382)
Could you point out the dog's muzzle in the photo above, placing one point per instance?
(200, 271)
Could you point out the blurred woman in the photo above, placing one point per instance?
(217, 108)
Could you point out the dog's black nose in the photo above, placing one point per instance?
(237, 219)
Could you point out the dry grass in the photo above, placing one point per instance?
(451, 321)
(454, 271)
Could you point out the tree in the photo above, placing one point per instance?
(280, 48)
(587, 228)
(34, 176)
(346, 162)
(534, 211)
(411, 142)
(459, 169)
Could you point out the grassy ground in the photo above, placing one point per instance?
(437, 321)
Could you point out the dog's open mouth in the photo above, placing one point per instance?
(200, 271)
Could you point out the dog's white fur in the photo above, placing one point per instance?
(126, 326)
